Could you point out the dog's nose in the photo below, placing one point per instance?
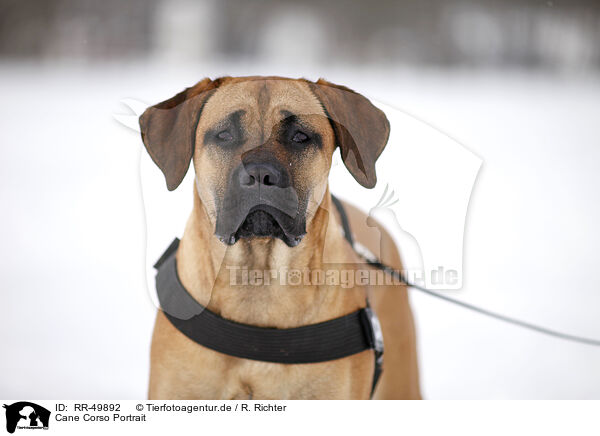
(262, 173)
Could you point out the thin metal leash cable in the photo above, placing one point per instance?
(372, 260)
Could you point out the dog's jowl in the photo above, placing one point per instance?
(261, 149)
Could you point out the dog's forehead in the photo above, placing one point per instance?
(261, 97)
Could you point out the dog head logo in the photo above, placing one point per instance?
(26, 415)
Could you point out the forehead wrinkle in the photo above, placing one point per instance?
(291, 97)
(296, 99)
(227, 99)
(262, 107)
(262, 100)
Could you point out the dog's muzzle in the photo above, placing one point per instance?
(261, 202)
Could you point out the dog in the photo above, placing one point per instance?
(261, 148)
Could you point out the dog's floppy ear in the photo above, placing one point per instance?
(169, 129)
(361, 130)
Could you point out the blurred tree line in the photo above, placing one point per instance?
(551, 34)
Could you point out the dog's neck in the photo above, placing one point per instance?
(256, 281)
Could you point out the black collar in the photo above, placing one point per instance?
(321, 342)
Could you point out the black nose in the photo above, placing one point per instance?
(262, 173)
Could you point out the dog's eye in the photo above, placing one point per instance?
(300, 137)
(225, 135)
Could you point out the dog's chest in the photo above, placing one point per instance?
(244, 379)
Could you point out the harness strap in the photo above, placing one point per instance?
(344, 218)
(377, 332)
(321, 342)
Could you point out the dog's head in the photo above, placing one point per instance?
(262, 147)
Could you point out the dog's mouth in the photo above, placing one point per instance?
(266, 222)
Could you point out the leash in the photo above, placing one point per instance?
(371, 259)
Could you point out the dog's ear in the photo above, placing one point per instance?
(361, 130)
(169, 130)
